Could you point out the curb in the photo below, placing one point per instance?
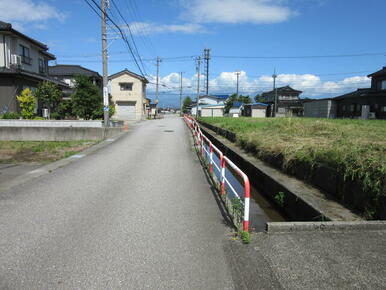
(43, 170)
(341, 226)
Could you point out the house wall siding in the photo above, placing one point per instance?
(136, 95)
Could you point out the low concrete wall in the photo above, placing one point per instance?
(52, 123)
(56, 134)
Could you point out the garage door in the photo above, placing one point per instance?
(125, 110)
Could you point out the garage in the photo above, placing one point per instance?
(125, 110)
(212, 111)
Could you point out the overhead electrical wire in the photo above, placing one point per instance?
(121, 33)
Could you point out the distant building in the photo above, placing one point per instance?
(255, 110)
(128, 93)
(288, 101)
(208, 100)
(66, 73)
(365, 103)
(23, 64)
(321, 108)
(236, 109)
(212, 110)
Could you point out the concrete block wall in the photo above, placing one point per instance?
(52, 123)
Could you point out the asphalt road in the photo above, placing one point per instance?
(136, 214)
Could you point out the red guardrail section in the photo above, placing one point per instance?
(225, 162)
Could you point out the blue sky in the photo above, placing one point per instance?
(236, 28)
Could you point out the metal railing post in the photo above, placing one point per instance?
(222, 182)
(210, 157)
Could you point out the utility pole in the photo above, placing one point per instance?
(104, 4)
(237, 86)
(181, 93)
(157, 81)
(207, 58)
(198, 71)
(274, 76)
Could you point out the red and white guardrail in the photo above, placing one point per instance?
(208, 149)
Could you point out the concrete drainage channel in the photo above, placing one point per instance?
(286, 204)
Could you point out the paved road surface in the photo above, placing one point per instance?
(136, 214)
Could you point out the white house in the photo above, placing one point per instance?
(212, 110)
(209, 100)
(128, 93)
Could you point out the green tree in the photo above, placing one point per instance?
(49, 95)
(234, 98)
(64, 110)
(186, 104)
(229, 103)
(27, 103)
(244, 99)
(259, 98)
(87, 99)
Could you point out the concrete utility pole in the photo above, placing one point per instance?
(237, 86)
(181, 93)
(157, 81)
(106, 118)
(207, 58)
(274, 76)
(198, 71)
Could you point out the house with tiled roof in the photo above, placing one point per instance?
(23, 64)
(365, 102)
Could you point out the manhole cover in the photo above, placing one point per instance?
(168, 131)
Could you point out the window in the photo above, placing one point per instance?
(384, 109)
(25, 56)
(126, 86)
(344, 108)
(383, 85)
(352, 108)
(42, 66)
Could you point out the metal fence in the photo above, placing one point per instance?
(210, 154)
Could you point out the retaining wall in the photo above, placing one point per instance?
(52, 123)
(56, 133)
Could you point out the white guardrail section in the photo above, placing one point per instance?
(207, 149)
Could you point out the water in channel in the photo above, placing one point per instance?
(261, 209)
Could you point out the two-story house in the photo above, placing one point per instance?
(128, 93)
(365, 103)
(288, 101)
(67, 72)
(23, 64)
(215, 101)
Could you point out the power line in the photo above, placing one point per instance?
(122, 35)
(131, 35)
(302, 56)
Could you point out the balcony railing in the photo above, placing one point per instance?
(26, 59)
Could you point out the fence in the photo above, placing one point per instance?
(208, 151)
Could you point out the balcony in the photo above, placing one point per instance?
(26, 60)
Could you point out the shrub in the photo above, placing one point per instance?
(10, 115)
(27, 103)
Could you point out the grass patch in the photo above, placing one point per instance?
(355, 149)
(39, 151)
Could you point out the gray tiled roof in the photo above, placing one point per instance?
(71, 70)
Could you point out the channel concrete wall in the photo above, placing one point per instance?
(56, 133)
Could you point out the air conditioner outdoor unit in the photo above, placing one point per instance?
(15, 60)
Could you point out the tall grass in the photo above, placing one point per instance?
(355, 148)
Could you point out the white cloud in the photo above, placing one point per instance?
(147, 28)
(236, 11)
(225, 82)
(28, 11)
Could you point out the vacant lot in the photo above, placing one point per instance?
(355, 149)
(38, 151)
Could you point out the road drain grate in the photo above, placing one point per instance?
(168, 131)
